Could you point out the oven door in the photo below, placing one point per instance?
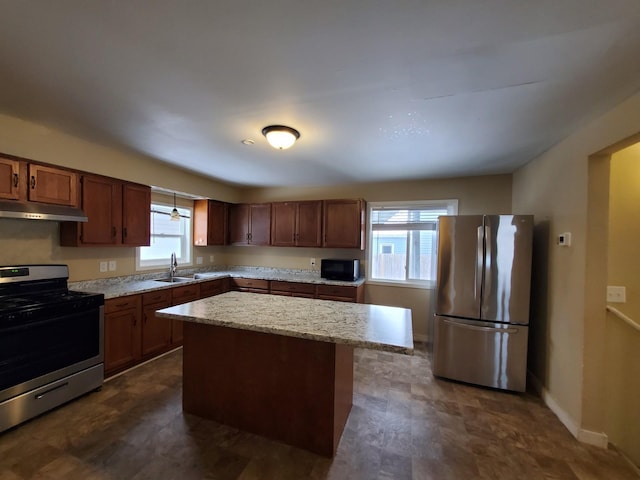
(36, 352)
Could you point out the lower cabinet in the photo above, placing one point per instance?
(252, 285)
(122, 333)
(132, 332)
(156, 332)
(341, 293)
(182, 294)
(293, 289)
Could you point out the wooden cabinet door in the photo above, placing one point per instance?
(260, 224)
(136, 214)
(52, 185)
(9, 179)
(239, 224)
(213, 287)
(156, 332)
(309, 224)
(210, 222)
(283, 224)
(102, 203)
(122, 327)
(343, 223)
(182, 294)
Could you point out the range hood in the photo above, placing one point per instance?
(41, 211)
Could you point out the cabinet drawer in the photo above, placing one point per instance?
(185, 293)
(337, 291)
(214, 287)
(293, 287)
(158, 296)
(121, 303)
(251, 283)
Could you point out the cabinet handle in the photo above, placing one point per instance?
(33, 182)
(135, 321)
(124, 232)
(113, 231)
(16, 179)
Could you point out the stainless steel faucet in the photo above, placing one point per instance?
(173, 267)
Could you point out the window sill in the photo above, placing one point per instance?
(425, 285)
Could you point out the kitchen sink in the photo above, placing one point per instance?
(175, 279)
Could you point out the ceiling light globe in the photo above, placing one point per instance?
(280, 136)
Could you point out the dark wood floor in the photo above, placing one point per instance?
(404, 425)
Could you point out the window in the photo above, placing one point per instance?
(167, 236)
(403, 240)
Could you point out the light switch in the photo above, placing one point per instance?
(112, 265)
(199, 260)
(616, 294)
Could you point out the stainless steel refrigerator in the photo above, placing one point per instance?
(481, 322)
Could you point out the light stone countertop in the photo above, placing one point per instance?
(121, 286)
(361, 325)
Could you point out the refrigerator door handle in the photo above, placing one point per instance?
(481, 329)
(477, 284)
(488, 257)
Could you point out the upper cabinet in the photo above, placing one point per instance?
(210, 222)
(118, 212)
(296, 224)
(10, 181)
(52, 185)
(136, 214)
(23, 181)
(343, 223)
(250, 224)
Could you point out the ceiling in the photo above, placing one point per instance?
(379, 90)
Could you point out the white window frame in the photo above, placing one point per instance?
(188, 249)
(451, 206)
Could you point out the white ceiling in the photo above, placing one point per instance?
(378, 89)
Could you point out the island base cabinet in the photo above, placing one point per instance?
(294, 390)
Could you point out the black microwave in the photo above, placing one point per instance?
(338, 269)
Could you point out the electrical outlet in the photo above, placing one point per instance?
(199, 260)
(312, 262)
(103, 266)
(112, 265)
(616, 294)
(210, 258)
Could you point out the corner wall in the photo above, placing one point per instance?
(566, 353)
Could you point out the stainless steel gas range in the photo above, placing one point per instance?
(51, 341)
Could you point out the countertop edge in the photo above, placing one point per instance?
(291, 333)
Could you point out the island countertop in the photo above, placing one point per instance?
(360, 325)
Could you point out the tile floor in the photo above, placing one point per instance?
(404, 424)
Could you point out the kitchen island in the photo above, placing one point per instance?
(280, 366)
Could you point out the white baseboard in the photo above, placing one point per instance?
(598, 439)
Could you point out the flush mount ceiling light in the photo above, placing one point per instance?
(175, 215)
(280, 137)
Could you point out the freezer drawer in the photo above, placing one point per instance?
(482, 353)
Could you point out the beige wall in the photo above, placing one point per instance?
(488, 194)
(567, 348)
(31, 241)
(622, 363)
